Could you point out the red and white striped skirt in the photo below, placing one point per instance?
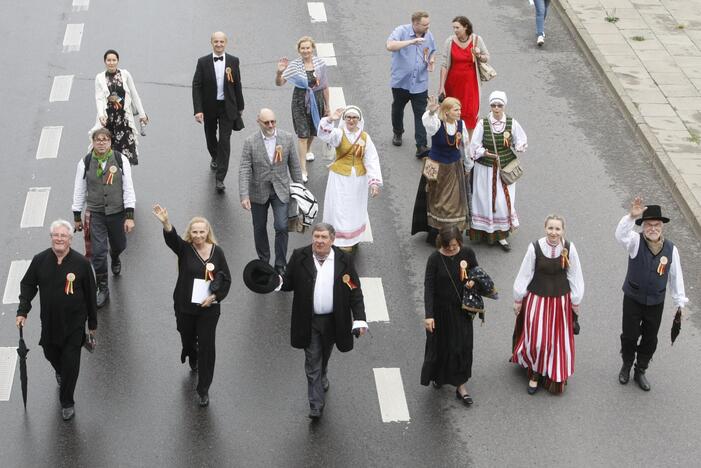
(546, 344)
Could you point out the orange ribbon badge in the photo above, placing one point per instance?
(349, 282)
(463, 270)
(110, 176)
(662, 267)
(564, 259)
(426, 52)
(458, 137)
(507, 139)
(277, 159)
(229, 77)
(209, 272)
(68, 289)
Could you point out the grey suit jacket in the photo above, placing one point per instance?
(256, 172)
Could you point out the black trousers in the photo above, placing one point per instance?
(197, 333)
(65, 359)
(640, 322)
(259, 213)
(219, 148)
(106, 233)
(400, 97)
(316, 358)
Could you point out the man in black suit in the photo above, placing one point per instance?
(327, 307)
(218, 102)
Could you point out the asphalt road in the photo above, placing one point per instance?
(135, 402)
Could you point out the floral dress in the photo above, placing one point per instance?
(123, 139)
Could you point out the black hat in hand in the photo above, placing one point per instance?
(260, 277)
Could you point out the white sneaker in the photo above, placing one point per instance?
(310, 156)
(540, 41)
(305, 179)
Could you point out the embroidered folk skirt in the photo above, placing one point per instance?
(491, 219)
(446, 198)
(346, 207)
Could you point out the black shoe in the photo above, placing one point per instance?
(325, 384)
(397, 139)
(213, 165)
(532, 390)
(505, 247)
(639, 376)
(466, 399)
(436, 385)
(315, 414)
(193, 364)
(280, 269)
(204, 400)
(58, 379)
(220, 186)
(422, 151)
(103, 292)
(116, 266)
(67, 413)
(624, 374)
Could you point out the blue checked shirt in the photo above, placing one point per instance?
(410, 64)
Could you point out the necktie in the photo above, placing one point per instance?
(219, 58)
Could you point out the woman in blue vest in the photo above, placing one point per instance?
(547, 293)
(443, 189)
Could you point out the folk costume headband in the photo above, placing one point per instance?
(498, 96)
(353, 110)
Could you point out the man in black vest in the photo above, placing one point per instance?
(653, 263)
(217, 98)
(104, 187)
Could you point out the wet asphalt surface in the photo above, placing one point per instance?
(135, 402)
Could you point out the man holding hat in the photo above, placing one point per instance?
(653, 263)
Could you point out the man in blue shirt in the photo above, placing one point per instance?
(413, 56)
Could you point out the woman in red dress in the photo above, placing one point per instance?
(459, 71)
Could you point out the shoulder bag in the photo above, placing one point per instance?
(486, 71)
(512, 171)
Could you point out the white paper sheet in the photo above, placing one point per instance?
(200, 290)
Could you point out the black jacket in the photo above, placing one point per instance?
(348, 303)
(204, 89)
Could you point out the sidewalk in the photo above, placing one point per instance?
(650, 52)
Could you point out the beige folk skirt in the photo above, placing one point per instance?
(446, 197)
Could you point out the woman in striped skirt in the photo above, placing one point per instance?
(547, 293)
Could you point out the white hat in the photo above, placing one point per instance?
(499, 96)
(353, 110)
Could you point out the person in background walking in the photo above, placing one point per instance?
(310, 98)
(413, 57)
(541, 11)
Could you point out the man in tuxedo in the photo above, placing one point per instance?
(327, 307)
(218, 102)
(268, 160)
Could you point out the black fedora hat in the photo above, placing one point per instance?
(652, 213)
(260, 277)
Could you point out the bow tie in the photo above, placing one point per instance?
(219, 58)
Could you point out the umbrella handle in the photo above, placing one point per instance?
(21, 334)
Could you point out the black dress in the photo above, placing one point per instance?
(448, 355)
(123, 138)
(301, 116)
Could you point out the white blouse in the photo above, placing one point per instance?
(519, 141)
(432, 124)
(574, 272)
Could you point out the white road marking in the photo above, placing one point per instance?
(325, 51)
(317, 12)
(17, 270)
(81, 5)
(366, 237)
(390, 393)
(73, 37)
(375, 303)
(336, 98)
(35, 207)
(8, 360)
(48, 142)
(61, 88)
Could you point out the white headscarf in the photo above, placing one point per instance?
(498, 96)
(352, 110)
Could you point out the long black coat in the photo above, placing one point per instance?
(204, 89)
(348, 303)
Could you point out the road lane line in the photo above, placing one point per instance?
(17, 270)
(61, 88)
(375, 303)
(8, 360)
(366, 236)
(48, 142)
(390, 393)
(73, 37)
(336, 98)
(325, 51)
(81, 5)
(35, 207)
(317, 12)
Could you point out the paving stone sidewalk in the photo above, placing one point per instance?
(650, 51)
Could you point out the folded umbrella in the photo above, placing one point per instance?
(22, 351)
(676, 325)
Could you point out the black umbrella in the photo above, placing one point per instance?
(676, 324)
(22, 350)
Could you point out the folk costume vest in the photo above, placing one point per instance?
(350, 155)
(105, 194)
(646, 280)
(549, 277)
(445, 149)
(504, 140)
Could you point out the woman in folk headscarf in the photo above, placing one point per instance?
(495, 142)
(355, 168)
(310, 99)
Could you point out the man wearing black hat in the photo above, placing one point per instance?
(653, 263)
(327, 307)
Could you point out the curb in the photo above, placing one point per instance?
(690, 207)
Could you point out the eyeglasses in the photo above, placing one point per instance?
(102, 140)
(268, 122)
(496, 105)
(56, 235)
(351, 117)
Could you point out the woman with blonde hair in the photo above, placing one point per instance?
(547, 293)
(203, 282)
(442, 199)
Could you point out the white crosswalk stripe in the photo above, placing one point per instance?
(317, 12)
(61, 88)
(390, 393)
(375, 304)
(73, 37)
(326, 52)
(48, 142)
(17, 270)
(8, 361)
(35, 207)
